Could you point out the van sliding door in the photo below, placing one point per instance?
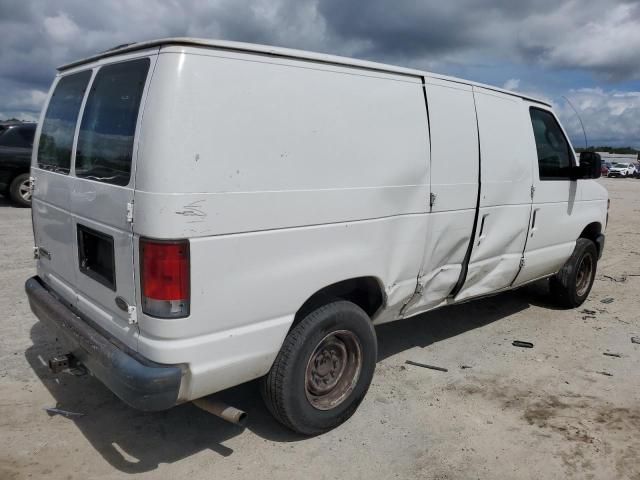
(454, 188)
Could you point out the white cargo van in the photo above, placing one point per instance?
(207, 213)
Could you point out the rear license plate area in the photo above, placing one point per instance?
(95, 256)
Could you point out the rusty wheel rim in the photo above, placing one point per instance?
(583, 278)
(333, 369)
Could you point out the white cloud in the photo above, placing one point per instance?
(608, 116)
(61, 28)
(602, 37)
(556, 41)
(512, 84)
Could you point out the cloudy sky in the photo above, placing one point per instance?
(587, 50)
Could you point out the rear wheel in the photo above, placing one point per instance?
(323, 369)
(570, 287)
(20, 190)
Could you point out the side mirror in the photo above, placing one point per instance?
(590, 165)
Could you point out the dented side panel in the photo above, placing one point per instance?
(246, 289)
(454, 182)
(497, 250)
(446, 242)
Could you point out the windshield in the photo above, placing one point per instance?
(105, 142)
(621, 165)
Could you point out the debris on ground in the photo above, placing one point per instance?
(65, 413)
(518, 343)
(607, 300)
(619, 278)
(635, 340)
(588, 314)
(607, 374)
(464, 367)
(617, 355)
(424, 365)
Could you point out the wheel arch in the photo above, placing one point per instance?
(366, 292)
(593, 232)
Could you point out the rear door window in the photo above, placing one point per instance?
(105, 142)
(58, 128)
(555, 158)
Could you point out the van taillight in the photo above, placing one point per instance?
(164, 267)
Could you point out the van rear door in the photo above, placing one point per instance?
(84, 169)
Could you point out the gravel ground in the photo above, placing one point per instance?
(560, 410)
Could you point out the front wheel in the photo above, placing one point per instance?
(570, 287)
(323, 369)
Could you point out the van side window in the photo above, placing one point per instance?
(554, 154)
(59, 125)
(105, 142)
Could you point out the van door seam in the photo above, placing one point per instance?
(426, 105)
(135, 157)
(467, 257)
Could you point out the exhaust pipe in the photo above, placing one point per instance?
(222, 410)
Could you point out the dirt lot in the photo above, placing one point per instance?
(559, 410)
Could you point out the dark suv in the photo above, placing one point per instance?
(16, 143)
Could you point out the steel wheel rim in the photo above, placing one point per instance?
(583, 277)
(333, 369)
(25, 190)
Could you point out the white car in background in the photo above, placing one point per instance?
(622, 170)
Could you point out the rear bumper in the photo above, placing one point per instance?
(139, 382)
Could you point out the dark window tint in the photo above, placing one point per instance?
(58, 128)
(20, 136)
(554, 155)
(105, 143)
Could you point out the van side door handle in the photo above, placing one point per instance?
(481, 234)
(533, 221)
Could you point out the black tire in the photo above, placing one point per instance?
(570, 287)
(287, 388)
(16, 190)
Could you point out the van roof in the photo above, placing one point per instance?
(286, 53)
